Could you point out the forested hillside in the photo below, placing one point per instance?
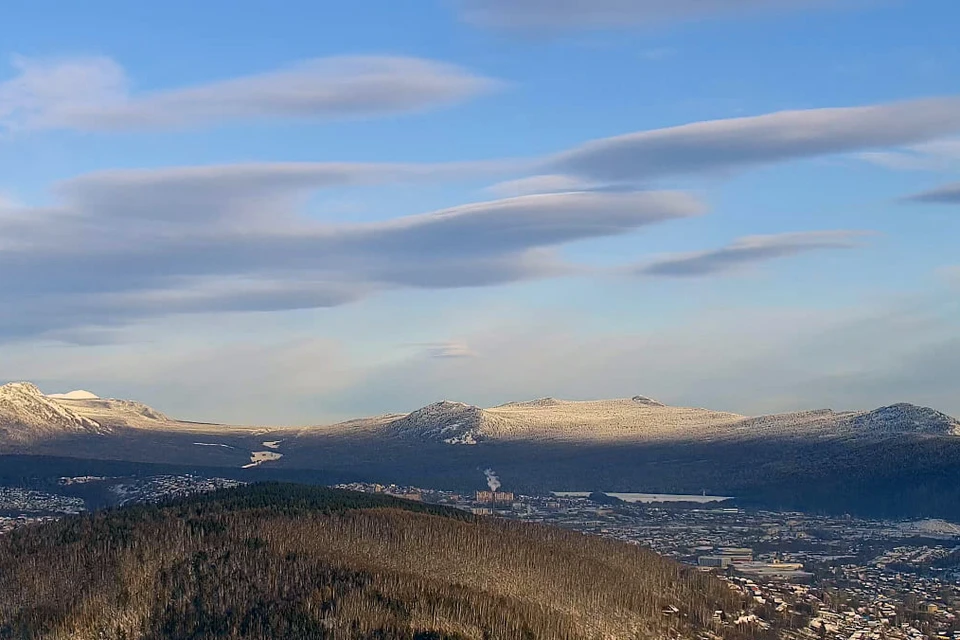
(289, 561)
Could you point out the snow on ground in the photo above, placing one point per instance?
(212, 444)
(272, 444)
(259, 457)
(932, 526)
(601, 420)
(79, 394)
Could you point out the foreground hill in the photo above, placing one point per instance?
(288, 561)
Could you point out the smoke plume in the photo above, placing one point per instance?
(492, 480)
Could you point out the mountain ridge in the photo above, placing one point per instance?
(892, 461)
(458, 423)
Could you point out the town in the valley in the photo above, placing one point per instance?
(810, 576)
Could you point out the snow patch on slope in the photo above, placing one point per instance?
(259, 457)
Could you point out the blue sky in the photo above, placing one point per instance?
(228, 209)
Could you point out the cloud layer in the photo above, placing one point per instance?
(747, 251)
(723, 145)
(94, 93)
(580, 14)
(136, 244)
(125, 245)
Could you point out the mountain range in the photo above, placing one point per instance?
(896, 460)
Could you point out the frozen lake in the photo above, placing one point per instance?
(647, 497)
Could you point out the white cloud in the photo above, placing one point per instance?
(592, 14)
(722, 145)
(123, 246)
(749, 250)
(95, 94)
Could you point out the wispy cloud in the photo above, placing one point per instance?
(749, 250)
(593, 14)
(946, 194)
(446, 350)
(94, 93)
(127, 245)
(936, 156)
(722, 145)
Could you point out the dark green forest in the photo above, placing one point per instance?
(292, 561)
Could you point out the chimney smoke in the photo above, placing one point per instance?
(492, 480)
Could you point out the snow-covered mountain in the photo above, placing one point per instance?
(27, 415)
(113, 412)
(447, 422)
(79, 394)
(904, 418)
(641, 419)
(626, 444)
(625, 419)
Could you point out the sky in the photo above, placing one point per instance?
(301, 212)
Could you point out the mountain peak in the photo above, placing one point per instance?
(26, 414)
(445, 421)
(650, 402)
(904, 417)
(13, 389)
(448, 404)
